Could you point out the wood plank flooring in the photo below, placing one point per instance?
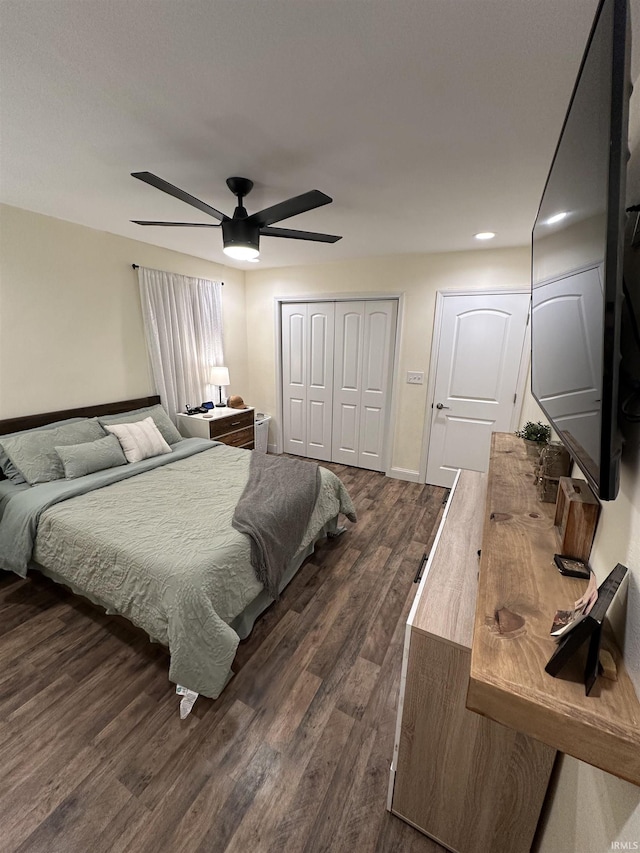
(293, 756)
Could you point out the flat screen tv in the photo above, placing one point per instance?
(577, 258)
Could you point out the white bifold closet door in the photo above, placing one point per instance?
(364, 341)
(307, 378)
(336, 379)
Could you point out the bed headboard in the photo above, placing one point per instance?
(31, 421)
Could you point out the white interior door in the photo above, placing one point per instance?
(478, 353)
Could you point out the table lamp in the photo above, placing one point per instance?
(219, 377)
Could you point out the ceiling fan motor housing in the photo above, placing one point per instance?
(240, 232)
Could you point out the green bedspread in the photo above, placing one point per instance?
(159, 549)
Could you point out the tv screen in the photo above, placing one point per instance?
(577, 256)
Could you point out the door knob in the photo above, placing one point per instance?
(441, 406)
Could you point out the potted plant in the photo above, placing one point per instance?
(535, 436)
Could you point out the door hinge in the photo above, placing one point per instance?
(515, 397)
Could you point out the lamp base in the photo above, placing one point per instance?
(220, 405)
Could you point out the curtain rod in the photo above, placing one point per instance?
(137, 267)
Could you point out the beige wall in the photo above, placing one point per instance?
(70, 319)
(417, 278)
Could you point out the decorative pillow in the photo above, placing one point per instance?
(139, 440)
(90, 456)
(159, 415)
(34, 453)
(7, 467)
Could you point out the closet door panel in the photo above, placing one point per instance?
(349, 326)
(317, 438)
(294, 377)
(378, 351)
(345, 434)
(320, 379)
(371, 421)
(295, 419)
(350, 351)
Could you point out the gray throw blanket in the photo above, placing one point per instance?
(274, 511)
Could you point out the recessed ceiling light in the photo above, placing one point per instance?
(485, 235)
(557, 217)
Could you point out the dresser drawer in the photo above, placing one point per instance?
(234, 422)
(239, 438)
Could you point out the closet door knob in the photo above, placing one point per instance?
(441, 406)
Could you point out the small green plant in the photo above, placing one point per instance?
(535, 432)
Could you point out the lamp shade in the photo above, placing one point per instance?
(219, 376)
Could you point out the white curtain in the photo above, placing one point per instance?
(183, 327)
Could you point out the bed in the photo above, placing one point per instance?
(151, 539)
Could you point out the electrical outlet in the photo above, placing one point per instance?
(415, 377)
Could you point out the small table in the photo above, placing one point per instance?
(230, 426)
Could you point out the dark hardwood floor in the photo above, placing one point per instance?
(293, 756)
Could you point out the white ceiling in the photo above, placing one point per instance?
(425, 120)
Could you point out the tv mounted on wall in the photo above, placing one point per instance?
(577, 258)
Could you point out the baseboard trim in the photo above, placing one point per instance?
(404, 474)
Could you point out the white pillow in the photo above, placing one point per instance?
(139, 440)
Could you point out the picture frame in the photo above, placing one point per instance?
(572, 567)
(588, 628)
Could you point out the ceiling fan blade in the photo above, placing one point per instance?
(290, 207)
(176, 224)
(299, 235)
(176, 192)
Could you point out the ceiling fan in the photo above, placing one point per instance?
(241, 232)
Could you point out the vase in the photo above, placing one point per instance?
(533, 447)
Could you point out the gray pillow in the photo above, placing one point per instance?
(80, 459)
(34, 453)
(160, 417)
(7, 467)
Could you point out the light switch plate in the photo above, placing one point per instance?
(415, 377)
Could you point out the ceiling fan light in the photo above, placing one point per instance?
(241, 252)
(240, 239)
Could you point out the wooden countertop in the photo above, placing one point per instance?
(508, 682)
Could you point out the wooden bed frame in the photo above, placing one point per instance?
(35, 421)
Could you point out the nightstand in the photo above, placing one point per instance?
(230, 426)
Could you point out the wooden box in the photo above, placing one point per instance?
(577, 511)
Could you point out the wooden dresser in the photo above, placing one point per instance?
(230, 426)
(476, 781)
(471, 784)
